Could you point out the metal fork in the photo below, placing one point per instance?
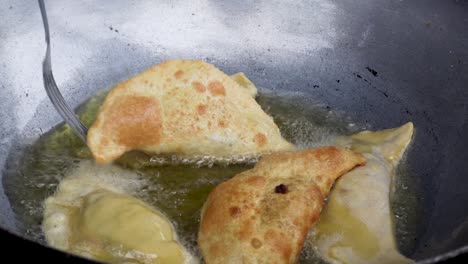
(51, 87)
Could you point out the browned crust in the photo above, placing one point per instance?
(211, 99)
(127, 115)
(216, 88)
(247, 219)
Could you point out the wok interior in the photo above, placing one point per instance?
(340, 55)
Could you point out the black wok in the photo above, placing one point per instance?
(384, 62)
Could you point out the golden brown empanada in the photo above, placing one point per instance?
(264, 214)
(183, 107)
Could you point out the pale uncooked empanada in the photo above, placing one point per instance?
(183, 107)
(91, 215)
(263, 215)
(356, 225)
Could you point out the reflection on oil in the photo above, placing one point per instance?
(180, 190)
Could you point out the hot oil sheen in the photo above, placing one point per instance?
(179, 187)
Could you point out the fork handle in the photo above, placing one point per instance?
(51, 87)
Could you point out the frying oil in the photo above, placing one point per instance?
(178, 187)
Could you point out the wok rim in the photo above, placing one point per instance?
(48, 249)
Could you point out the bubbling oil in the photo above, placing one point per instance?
(177, 186)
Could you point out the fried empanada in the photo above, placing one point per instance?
(92, 215)
(187, 108)
(264, 214)
(356, 225)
